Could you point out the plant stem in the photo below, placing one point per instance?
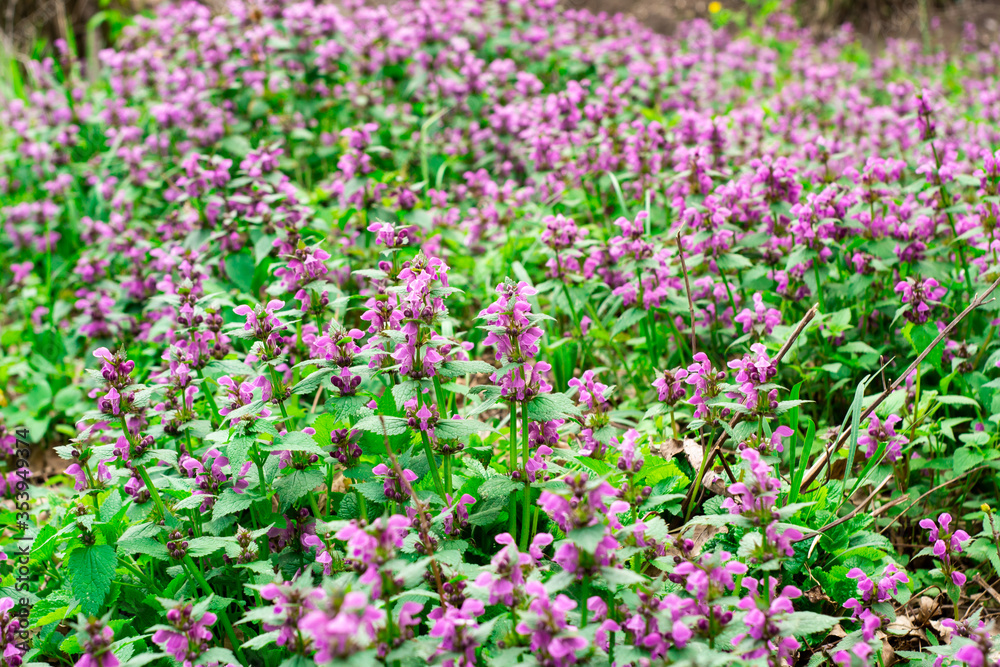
(819, 286)
(217, 419)
(152, 491)
(511, 467)
(275, 386)
(223, 616)
(447, 473)
(526, 512)
(362, 506)
(433, 465)
(313, 506)
(701, 473)
(584, 590)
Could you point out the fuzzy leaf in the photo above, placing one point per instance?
(92, 569)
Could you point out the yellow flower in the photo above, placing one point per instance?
(714, 7)
(985, 508)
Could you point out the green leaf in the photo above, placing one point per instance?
(460, 429)
(207, 545)
(231, 502)
(498, 488)
(807, 622)
(921, 337)
(296, 485)
(341, 408)
(373, 491)
(237, 145)
(587, 538)
(547, 407)
(312, 382)
(262, 640)
(459, 368)
(237, 450)
(296, 442)
(374, 424)
(92, 569)
(628, 319)
(621, 577)
(967, 458)
(240, 269)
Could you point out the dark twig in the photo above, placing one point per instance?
(861, 507)
(924, 495)
(717, 447)
(977, 301)
(424, 522)
(806, 319)
(687, 288)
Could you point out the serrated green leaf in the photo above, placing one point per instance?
(92, 570)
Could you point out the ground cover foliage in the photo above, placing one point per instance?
(493, 333)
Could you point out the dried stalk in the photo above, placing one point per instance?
(687, 289)
(717, 447)
(814, 471)
(424, 522)
(924, 495)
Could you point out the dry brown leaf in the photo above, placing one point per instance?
(699, 534)
(902, 626)
(888, 654)
(816, 594)
(716, 484)
(942, 630)
(671, 448)
(694, 453)
(928, 607)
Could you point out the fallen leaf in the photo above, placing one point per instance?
(928, 608)
(699, 534)
(694, 453)
(888, 654)
(671, 448)
(816, 594)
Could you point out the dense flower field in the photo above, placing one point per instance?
(492, 333)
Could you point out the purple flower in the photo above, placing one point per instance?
(593, 394)
(753, 370)
(21, 271)
(342, 625)
(97, 646)
(918, 294)
(290, 603)
(392, 486)
(458, 519)
(510, 329)
(552, 639)
(370, 547)
(13, 648)
(630, 460)
(454, 626)
(761, 320)
(765, 610)
(705, 380)
(187, 637)
(758, 494)
(871, 594)
(669, 386)
(509, 568)
(879, 432)
(945, 544)
(211, 476)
